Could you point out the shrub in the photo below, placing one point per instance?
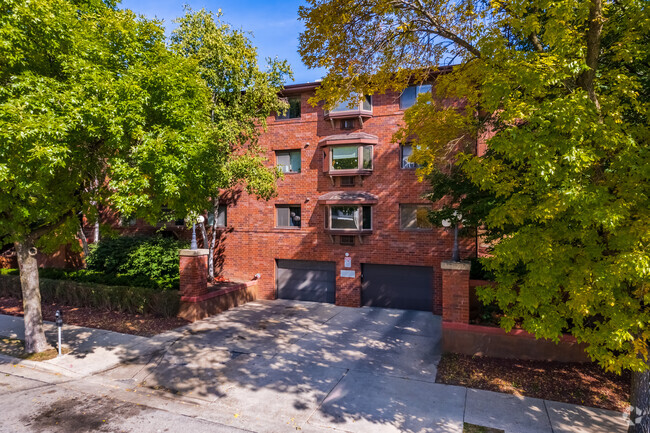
(140, 261)
(478, 271)
(127, 299)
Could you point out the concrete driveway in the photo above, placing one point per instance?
(287, 365)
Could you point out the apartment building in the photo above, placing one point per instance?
(348, 225)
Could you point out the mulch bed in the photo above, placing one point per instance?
(584, 384)
(136, 324)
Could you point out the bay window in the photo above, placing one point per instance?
(355, 157)
(349, 218)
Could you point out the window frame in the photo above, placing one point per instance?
(418, 90)
(362, 208)
(287, 116)
(360, 161)
(288, 207)
(225, 217)
(343, 107)
(415, 165)
(426, 206)
(289, 152)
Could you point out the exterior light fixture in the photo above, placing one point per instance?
(193, 244)
(458, 218)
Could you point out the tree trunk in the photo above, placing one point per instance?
(84, 242)
(640, 402)
(96, 237)
(204, 234)
(213, 241)
(34, 334)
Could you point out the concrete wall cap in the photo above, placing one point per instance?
(194, 253)
(456, 266)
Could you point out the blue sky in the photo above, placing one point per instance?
(274, 25)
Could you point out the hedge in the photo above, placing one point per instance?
(126, 299)
(143, 261)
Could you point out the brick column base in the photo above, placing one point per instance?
(455, 291)
(194, 272)
(348, 289)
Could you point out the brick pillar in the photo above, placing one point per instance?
(194, 272)
(455, 291)
(348, 287)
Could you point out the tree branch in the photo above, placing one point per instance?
(436, 26)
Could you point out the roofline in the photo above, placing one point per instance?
(302, 87)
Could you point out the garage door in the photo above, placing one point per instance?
(306, 280)
(402, 287)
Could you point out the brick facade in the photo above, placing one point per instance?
(255, 243)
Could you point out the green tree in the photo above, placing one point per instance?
(94, 110)
(241, 96)
(562, 89)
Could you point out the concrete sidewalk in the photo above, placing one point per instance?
(91, 350)
(282, 366)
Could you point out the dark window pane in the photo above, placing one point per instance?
(367, 157)
(293, 112)
(294, 107)
(407, 98)
(367, 103)
(287, 216)
(294, 216)
(367, 217)
(222, 218)
(407, 151)
(295, 161)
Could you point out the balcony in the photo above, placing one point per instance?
(351, 109)
(348, 154)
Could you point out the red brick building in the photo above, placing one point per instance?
(347, 224)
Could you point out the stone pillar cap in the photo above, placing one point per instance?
(194, 253)
(456, 266)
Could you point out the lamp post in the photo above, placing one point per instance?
(455, 256)
(193, 244)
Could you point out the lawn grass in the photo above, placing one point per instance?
(472, 428)
(16, 348)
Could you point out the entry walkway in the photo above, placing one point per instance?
(276, 366)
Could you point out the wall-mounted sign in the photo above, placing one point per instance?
(347, 274)
(347, 262)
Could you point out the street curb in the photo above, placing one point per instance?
(39, 365)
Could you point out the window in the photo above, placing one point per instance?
(293, 112)
(347, 124)
(347, 180)
(288, 160)
(406, 151)
(356, 157)
(346, 240)
(352, 104)
(414, 216)
(222, 217)
(287, 216)
(352, 218)
(410, 95)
